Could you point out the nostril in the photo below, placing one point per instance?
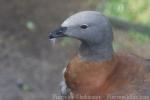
(57, 33)
(50, 36)
(60, 31)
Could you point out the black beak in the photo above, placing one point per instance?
(58, 33)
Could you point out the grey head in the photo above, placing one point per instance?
(93, 30)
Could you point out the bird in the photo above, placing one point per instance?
(98, 72)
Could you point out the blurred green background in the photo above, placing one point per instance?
(31, 68)
(132, 11)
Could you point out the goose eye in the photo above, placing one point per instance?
(84, 26)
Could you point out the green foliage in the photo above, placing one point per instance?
(138, 37)
(116, 46)
(137, 11)
(30, 25)
(66, 41)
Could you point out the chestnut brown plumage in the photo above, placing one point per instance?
(97, 70)
(122, 75)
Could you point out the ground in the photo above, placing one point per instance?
(30, 69)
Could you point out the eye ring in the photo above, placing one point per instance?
(84, 26)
